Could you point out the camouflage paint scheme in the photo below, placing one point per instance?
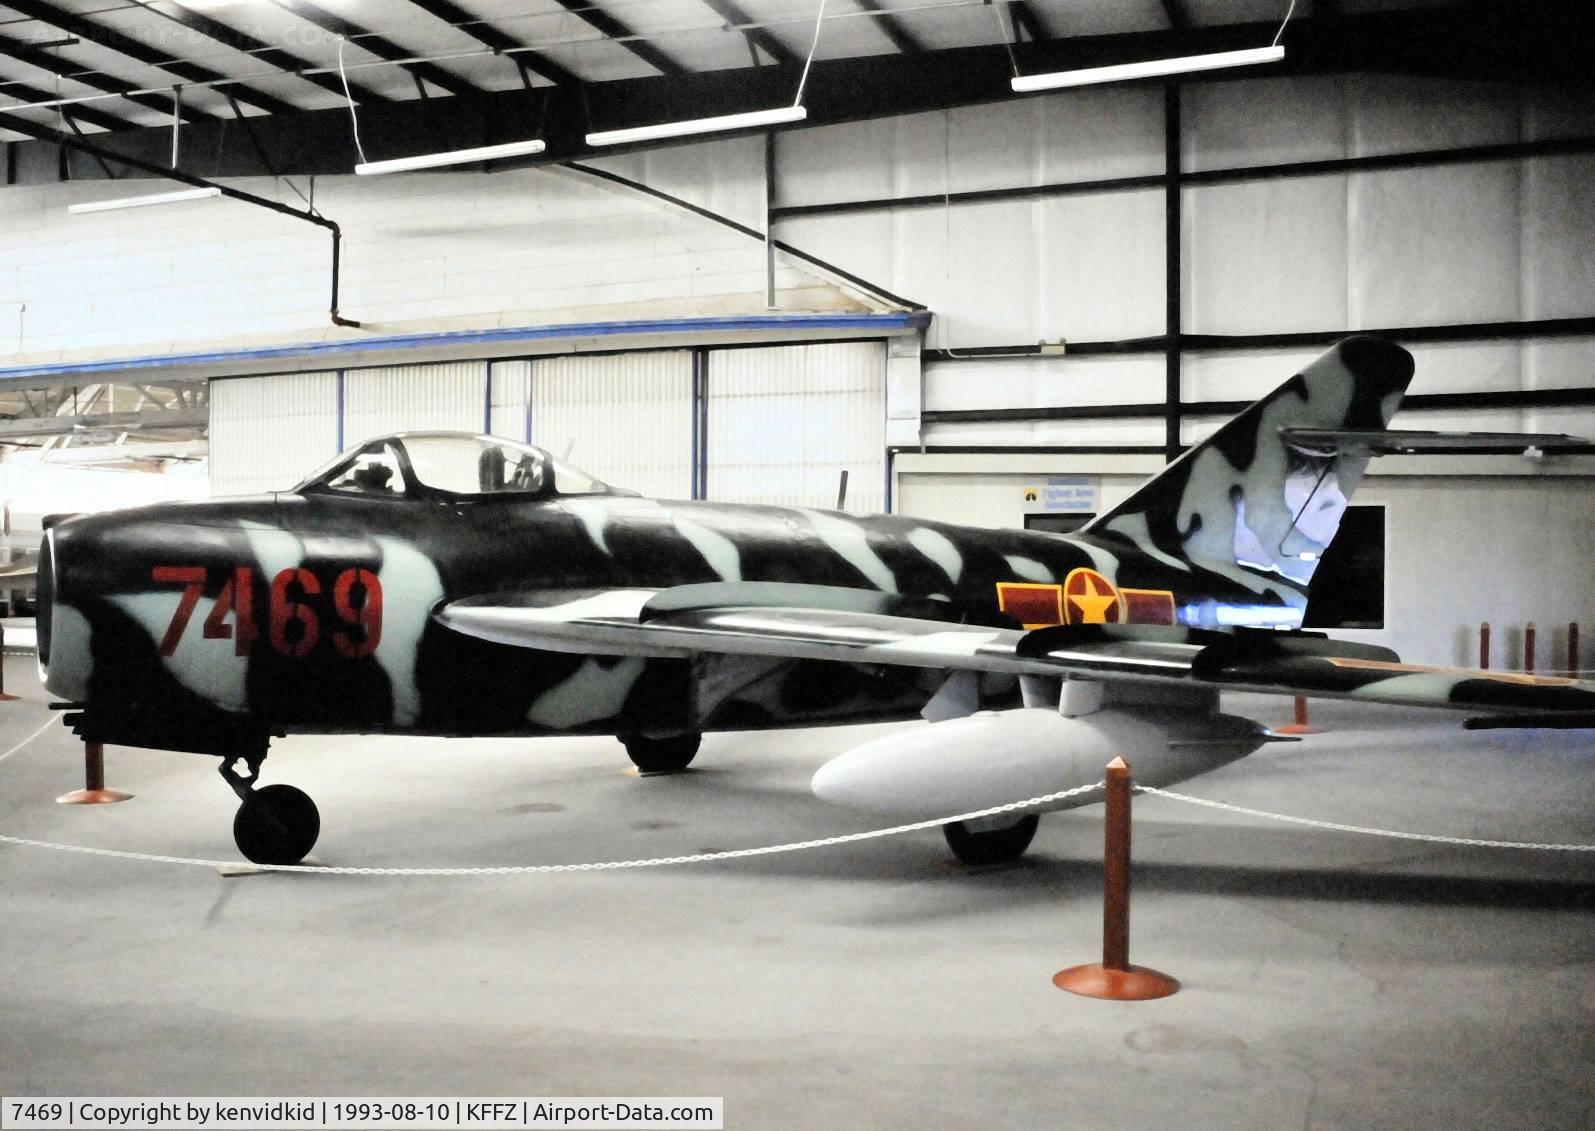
(1226, 537)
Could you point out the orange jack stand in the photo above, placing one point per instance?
(93, 791)
(1114, 978)
(4, 698)
(1300, 726)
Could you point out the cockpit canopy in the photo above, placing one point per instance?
(455, 464)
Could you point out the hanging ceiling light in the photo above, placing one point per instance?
(452, 157)
(1148, 68)
(700, 126)
(750, 119)
(143, 201)
(1156, 68)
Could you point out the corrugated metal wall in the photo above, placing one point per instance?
(785, 421)
(627, 418)
(268, 433)
(782, 422)
(394, 398)
(510, 388)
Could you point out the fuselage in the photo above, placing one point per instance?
(314, 611)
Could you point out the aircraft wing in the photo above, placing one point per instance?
(804, 622)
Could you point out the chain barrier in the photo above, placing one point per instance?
(1340, 828)
(596, 866)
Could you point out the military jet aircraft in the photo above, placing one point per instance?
(449, 584)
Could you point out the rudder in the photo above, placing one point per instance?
(1249, 501)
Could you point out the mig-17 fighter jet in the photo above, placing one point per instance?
(448, 584)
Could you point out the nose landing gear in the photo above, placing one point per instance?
(277, 824)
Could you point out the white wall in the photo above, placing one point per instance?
(527, 247)
(1459, 550)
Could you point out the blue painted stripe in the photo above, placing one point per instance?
(883, 323)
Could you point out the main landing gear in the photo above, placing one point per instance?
(976, 843)
(277, 824)
(661, 755)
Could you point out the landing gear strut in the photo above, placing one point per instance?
(275, 825)
(661, 755)
(991, 846)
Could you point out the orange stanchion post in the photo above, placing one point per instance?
(1300, 726)
(1114, 978)
(1484, 646)
(1528, 647)
(1572, 647)
(4, 698)
(93, 791)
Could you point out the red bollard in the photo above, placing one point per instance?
(1528, 647)
(1572, 648)
(93, 791)
(1484, 646)
(1114, 978)
(4, 698)
(1300, 725)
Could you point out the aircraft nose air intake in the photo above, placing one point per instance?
(45, 599)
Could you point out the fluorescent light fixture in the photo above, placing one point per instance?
(1149, 68)
(143, 201)
(452, 157)
(700, 126)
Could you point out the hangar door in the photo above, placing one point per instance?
(771, 424)
(785, 421)
(268, 433)
(627, 418)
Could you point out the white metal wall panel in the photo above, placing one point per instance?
(1558, 237)
(1036, 382)
(1265, 256)
(627, 418)
(784, 422)
(510, 383)
(397, 398)
(1434, 245)
(268, 433)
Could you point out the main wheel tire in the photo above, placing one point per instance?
(662, 755)
(277, 825)
(993, 846)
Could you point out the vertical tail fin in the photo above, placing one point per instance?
(1249, 501)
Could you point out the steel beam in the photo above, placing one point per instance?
(892, 28)
(239, 40)
(134, 49)
(146, 419)
(759, 37)
(612, 28)
(1550, 47)
(25, 52)
(89, 114)
(379, 45)
(490, 36)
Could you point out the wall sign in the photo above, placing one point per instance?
(1063, 494)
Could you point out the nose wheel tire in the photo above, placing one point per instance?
(993, 846)
(661, 755)
(277, 824)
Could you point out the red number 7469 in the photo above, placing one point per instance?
(294, 608)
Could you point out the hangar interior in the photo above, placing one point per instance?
(983, 308)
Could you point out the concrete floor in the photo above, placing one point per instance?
(1330, 980)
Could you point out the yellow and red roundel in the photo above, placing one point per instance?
(1090, 598)
(1085, 597)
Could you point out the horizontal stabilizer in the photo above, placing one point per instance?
(1386, 442)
